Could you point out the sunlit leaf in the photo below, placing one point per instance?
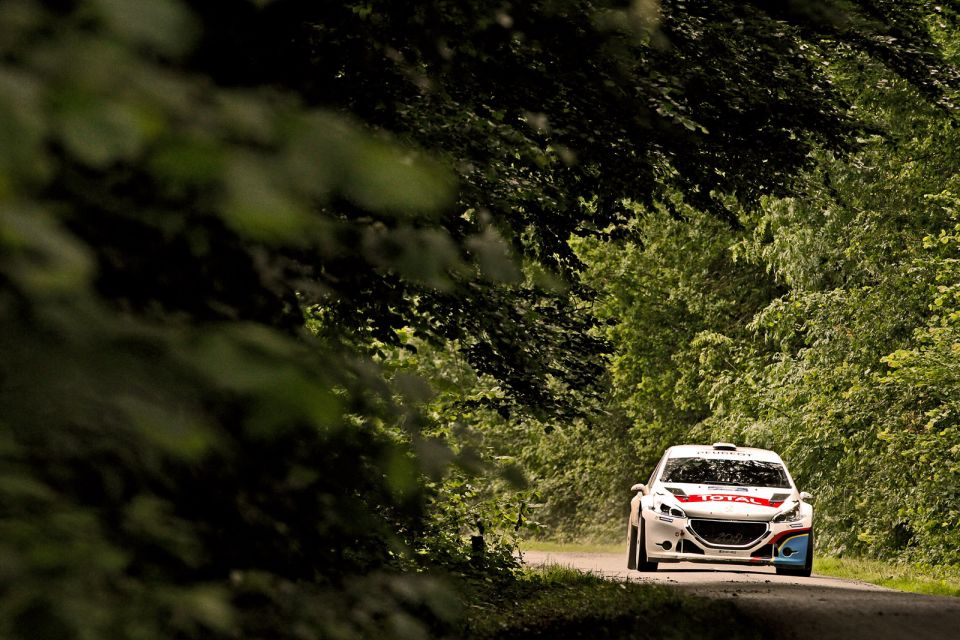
(494, 257)
(41, 256)
(22, 131)
(188, 162)
(178, 431)
(425, 256)
(164, 26)
(257, 204)
(383, 178)
(102, 133)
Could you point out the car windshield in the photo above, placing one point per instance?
(743, 473)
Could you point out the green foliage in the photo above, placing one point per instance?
(823, 329)
(921, 383)
(833, 396)
(583, 471)
(180, 459)
(680, 279)
(541, 107)
(476, 491)
(280, 318)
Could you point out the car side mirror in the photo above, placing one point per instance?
(639, 487)
(806, 497)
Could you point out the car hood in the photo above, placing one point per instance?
(723, 501)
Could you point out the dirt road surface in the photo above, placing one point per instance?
(818, 607)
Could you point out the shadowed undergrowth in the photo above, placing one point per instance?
(559, 602)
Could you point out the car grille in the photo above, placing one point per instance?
(728, 533)
(687, 546)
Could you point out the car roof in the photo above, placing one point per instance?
(708, 451)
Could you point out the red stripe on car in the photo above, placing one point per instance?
(729, 497)
(780, 537)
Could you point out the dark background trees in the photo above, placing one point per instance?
(552, 114)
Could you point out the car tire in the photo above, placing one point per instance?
(806, 570)
(632, 547)
(643, 564)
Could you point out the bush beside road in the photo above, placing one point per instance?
(559, 603)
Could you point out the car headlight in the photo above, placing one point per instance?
(669, 510)
(790, 515)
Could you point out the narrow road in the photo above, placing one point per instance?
(818, 608)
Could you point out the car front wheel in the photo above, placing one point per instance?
(643, 564)
(632, 547)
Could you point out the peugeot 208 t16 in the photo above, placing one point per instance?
(721, 504)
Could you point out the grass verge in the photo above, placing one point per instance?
(941, 581)
(560, 603)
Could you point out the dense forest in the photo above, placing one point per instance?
(309, 311)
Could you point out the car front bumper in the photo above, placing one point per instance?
(671, 539)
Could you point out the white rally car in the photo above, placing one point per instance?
(721, 503)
